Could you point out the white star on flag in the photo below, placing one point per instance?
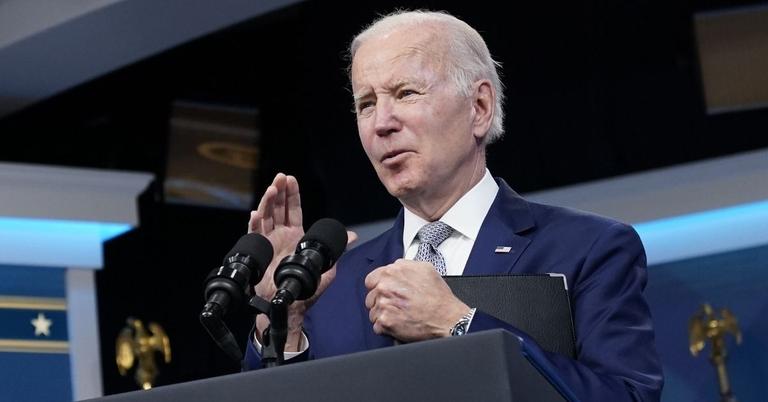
(42, 325)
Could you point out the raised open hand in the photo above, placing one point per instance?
(279, 219)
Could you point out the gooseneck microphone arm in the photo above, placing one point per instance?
(276, 335)
(212, 318)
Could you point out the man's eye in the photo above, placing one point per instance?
(364, 105)
(406, 92)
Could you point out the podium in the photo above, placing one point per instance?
(484, 366)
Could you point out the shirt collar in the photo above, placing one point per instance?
(465, 216)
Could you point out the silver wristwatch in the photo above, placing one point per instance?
(461, 327)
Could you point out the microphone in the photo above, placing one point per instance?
(243, 267)
(298, 275)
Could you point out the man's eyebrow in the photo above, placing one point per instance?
(391, 87)
(400, 83)
(360, 95)
(418, 83)
(405, 81)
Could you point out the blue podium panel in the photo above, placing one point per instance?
(737, 280)
(34, 346)
(35, 377)
(32, 281)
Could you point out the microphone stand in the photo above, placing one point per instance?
(276, 335)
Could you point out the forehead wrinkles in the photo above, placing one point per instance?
(428, 61)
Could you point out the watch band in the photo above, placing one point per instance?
(462, 326)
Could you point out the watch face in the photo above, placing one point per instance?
(460, 329)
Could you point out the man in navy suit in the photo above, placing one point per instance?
(428, 101)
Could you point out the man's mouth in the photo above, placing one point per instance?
(394, 157)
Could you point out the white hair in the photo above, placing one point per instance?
(469, 59)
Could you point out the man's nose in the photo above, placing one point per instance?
(387, 121)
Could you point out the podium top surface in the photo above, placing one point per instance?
(487, 366)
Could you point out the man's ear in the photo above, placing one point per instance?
(484, 106)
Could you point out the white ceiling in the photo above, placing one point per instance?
(49, 46)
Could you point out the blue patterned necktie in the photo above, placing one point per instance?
(430, 236)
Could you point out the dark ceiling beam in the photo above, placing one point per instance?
(47, 51)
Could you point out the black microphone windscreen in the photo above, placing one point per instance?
(254, 245)
(329, 232)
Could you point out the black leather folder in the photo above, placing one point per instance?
(535, 304)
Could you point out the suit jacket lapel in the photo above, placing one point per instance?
(504, 225)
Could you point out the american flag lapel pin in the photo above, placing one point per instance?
(502, 249)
